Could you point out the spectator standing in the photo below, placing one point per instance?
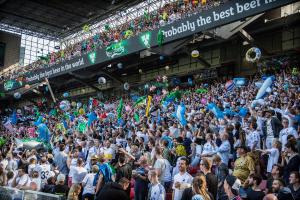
(222, 172)
(156, 189)
(294, 185)
(182, 180)
(114, 190)
(88, 184)
(211, 179)
(244, 165)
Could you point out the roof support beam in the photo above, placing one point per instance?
(84, 82)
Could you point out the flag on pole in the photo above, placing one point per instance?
(120, 109)
(148, 105)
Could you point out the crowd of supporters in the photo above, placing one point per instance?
(121, 154)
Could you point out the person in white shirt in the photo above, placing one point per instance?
(43, 169)
(253, 137)
(87, 184)
(209, 148)
(273, 154)
(162, 167)
(91, 150)
(21, 180)
(79, 172)
(182, 180)
(174, 131)
(285, 132)
(72, 163)
(156, 190)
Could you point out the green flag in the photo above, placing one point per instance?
(82, 127)
(120, 109)
(201, 91)
(136, 117)
(139, 101)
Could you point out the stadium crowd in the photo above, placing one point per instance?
(239, 149)
(148, 21)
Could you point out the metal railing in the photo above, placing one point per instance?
(15, 194)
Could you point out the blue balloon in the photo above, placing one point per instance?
(66, 94)
(161, 57)
(120, 65)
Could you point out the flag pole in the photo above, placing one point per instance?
(50, 89)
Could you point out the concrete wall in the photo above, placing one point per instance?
(12, 48)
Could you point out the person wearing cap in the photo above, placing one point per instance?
(244, 165)
(231, 187)
(60, 187)
(88, 184)
(93, 161)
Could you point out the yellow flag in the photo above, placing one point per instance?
(148, 105)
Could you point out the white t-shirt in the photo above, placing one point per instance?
(185, 180)
(252, 138)
(161, 165)
(31, 168)
(44, 172)
(78, 174)
(88, 184)
(23, 180)
(273, 158)
(157, 192)
(284, 133)
(208, 148)
(72, 166)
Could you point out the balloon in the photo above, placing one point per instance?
(126, 86)
(64, 105)
(140, 71)
(17, 95)
(81, 111)
(253, 54)
(146, 86)
(161, 57)
(79, 104)
(167, 67)
(165, 92)
(27, 87)
(120, 65)
(190, 81)
(258, 84)
(127, 108)
(101, 80)
(165, 79)
(19, 111)
(195, 54)
(66, 94)
(152, 88)
(261, 92)
(73, 103)
(203, 101)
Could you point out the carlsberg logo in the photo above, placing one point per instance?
(92, 57)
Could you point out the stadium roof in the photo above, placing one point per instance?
(56, 18)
